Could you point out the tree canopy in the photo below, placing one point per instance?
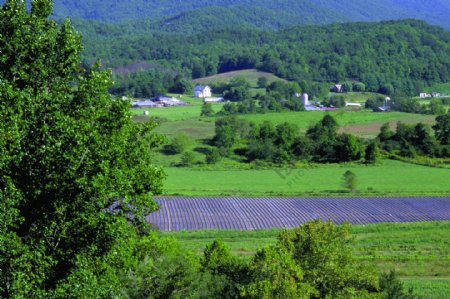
(76, 173)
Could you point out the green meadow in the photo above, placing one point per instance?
(250, 75)
(419, 252)
(388, 177)
(362, 123)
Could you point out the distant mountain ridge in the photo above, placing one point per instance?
(263, 13)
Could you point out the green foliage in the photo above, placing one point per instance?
(228, 130)
(213, 156)
(393, 287)
(347, 86)
(275, 274)
(414, 249)
(73, 165)
(375, 102)
(178, 144)
(262, 82)
(349, 181)
(348, 148)
(207, 110)
(442, 128)
(323, 251)
(400, 57)
(177, 16)
(410, 141)
(337, 101)
(359, 87)
(436, 107)
(187, 159)
(372, 153)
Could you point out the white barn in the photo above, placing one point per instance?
(201, 91)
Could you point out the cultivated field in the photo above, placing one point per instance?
(419, 252)
(245, 213)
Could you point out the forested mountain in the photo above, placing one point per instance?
(288, 12)
(392, 55)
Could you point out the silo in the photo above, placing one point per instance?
(305, 99)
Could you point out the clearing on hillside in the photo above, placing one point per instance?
(250, 75)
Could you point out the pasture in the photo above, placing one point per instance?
(439, 87)
(419, 252)
(388, 177)
(250, 75)
(364, 123)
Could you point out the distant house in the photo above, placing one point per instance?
(144, 104)
(337, 88)
(201, 91)
(436, 94)
(424, 95)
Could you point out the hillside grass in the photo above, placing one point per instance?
(439, 87)
(362, 123)
(387, 178)
(187, 120)
(251, 75)
(357, 97)
(419, 252)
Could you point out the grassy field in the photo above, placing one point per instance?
(363, 123)
(419, 252)
(440, 87)
(389, 177)
(357, 97)
(250, 75)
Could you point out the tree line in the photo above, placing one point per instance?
(322, 142)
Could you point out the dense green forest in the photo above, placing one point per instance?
(390, 57)
(263, 13)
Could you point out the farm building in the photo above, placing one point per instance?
(168, 101)
(144, 104)
(385, 108)
(305, 99)
(337, 88)
(354, 105)
(213, 100)
(201, 91)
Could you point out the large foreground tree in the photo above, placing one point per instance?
(76, 174)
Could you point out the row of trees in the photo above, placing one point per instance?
(283, 143)
(322, 142)
(418, 140)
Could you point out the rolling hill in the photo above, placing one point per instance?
(173, 14)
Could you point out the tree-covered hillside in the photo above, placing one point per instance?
(394, 56)
(293, 12)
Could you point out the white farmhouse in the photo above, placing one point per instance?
(201, 91)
